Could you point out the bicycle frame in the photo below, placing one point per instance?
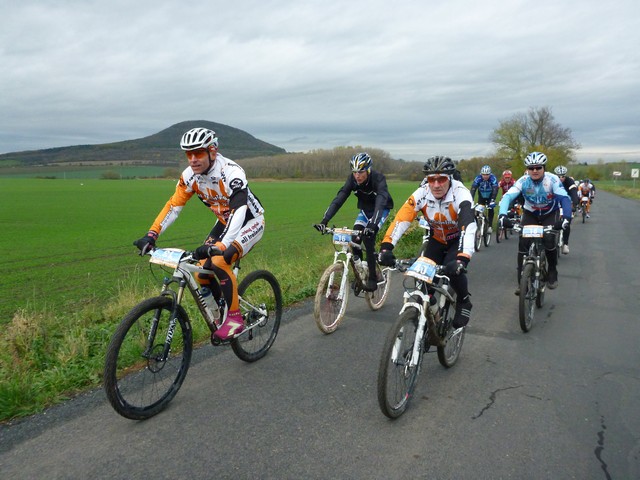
(184, 273)
(418, 297)
(344, 253)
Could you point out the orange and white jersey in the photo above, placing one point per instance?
(214, 188)
(585, 189)
(442, 215)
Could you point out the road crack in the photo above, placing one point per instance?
(492, 400)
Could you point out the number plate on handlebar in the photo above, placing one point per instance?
(169, 257)
(479, 208)
(423, 269)
(341, 237)
(423, 223)
(532, 231)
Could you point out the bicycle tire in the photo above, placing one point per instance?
(139, 385)
(584, 214)
(543, 280)
(396, 379)
(486, 236)
(449, 353)
(376, 299)
(499, 234)
(329, 307)
(526, 303)
(258, 289)
(478, 240)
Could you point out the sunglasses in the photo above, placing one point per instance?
(437, 178)
(535, 168)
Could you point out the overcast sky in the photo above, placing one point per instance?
(414, 78)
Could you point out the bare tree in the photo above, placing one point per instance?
(535, 130)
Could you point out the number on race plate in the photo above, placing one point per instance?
(532, 231)
(340, 238)
(422, 269)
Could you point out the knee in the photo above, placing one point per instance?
(550, 241)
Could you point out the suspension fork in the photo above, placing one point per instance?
(176, 297)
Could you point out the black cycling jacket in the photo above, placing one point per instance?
(373, 197)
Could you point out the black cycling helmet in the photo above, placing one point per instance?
(439, 164)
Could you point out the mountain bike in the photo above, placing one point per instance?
(534, 274)
(149, 354)
(425, 321)
(332, 294)
(483, 235)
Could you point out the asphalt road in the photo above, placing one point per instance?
(562, 401)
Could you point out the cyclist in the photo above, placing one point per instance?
(222, 186)
(587, 189)
(543, 196)
(487, 186)
(506, 182)
(374, 202)
(569, 185)
(446, 205)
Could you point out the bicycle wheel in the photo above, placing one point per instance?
(527, 298)
(543, 280)
(261, 307)
(584, 214)
(478, 240)
(486, 236)
(448, 355)
(147, 359)
(376, 299)
(331, 299)
(396, 377)
(499, 234)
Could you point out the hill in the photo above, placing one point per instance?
(162, 148)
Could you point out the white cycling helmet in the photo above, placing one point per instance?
(486, 170)
(198, 138)
(535, 158)
(560, 170)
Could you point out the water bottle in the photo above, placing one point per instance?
(210, 305)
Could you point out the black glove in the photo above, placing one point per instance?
(561, 224)
(206, 251)
(386, 256)
(370, 230)
(321, 227)
(455, 267)
(146, 243)
(504, 221)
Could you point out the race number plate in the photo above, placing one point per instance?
(169, 257)
(422, 223)
(423, 269)
(532, 231)
(341, 237)
(479, 208)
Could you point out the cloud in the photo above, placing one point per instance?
(413, 78)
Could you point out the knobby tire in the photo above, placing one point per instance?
(396, 379)
(330, 302)
(138, 382)
(526, 304)
(258, 290)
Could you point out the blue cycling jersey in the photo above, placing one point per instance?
(485, 187)
(540, 197)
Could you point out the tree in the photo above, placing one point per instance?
(535, 130)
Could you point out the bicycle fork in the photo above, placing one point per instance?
(343, 281)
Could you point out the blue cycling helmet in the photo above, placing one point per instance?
(486, 170)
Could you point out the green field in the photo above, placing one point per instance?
(70, 271)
